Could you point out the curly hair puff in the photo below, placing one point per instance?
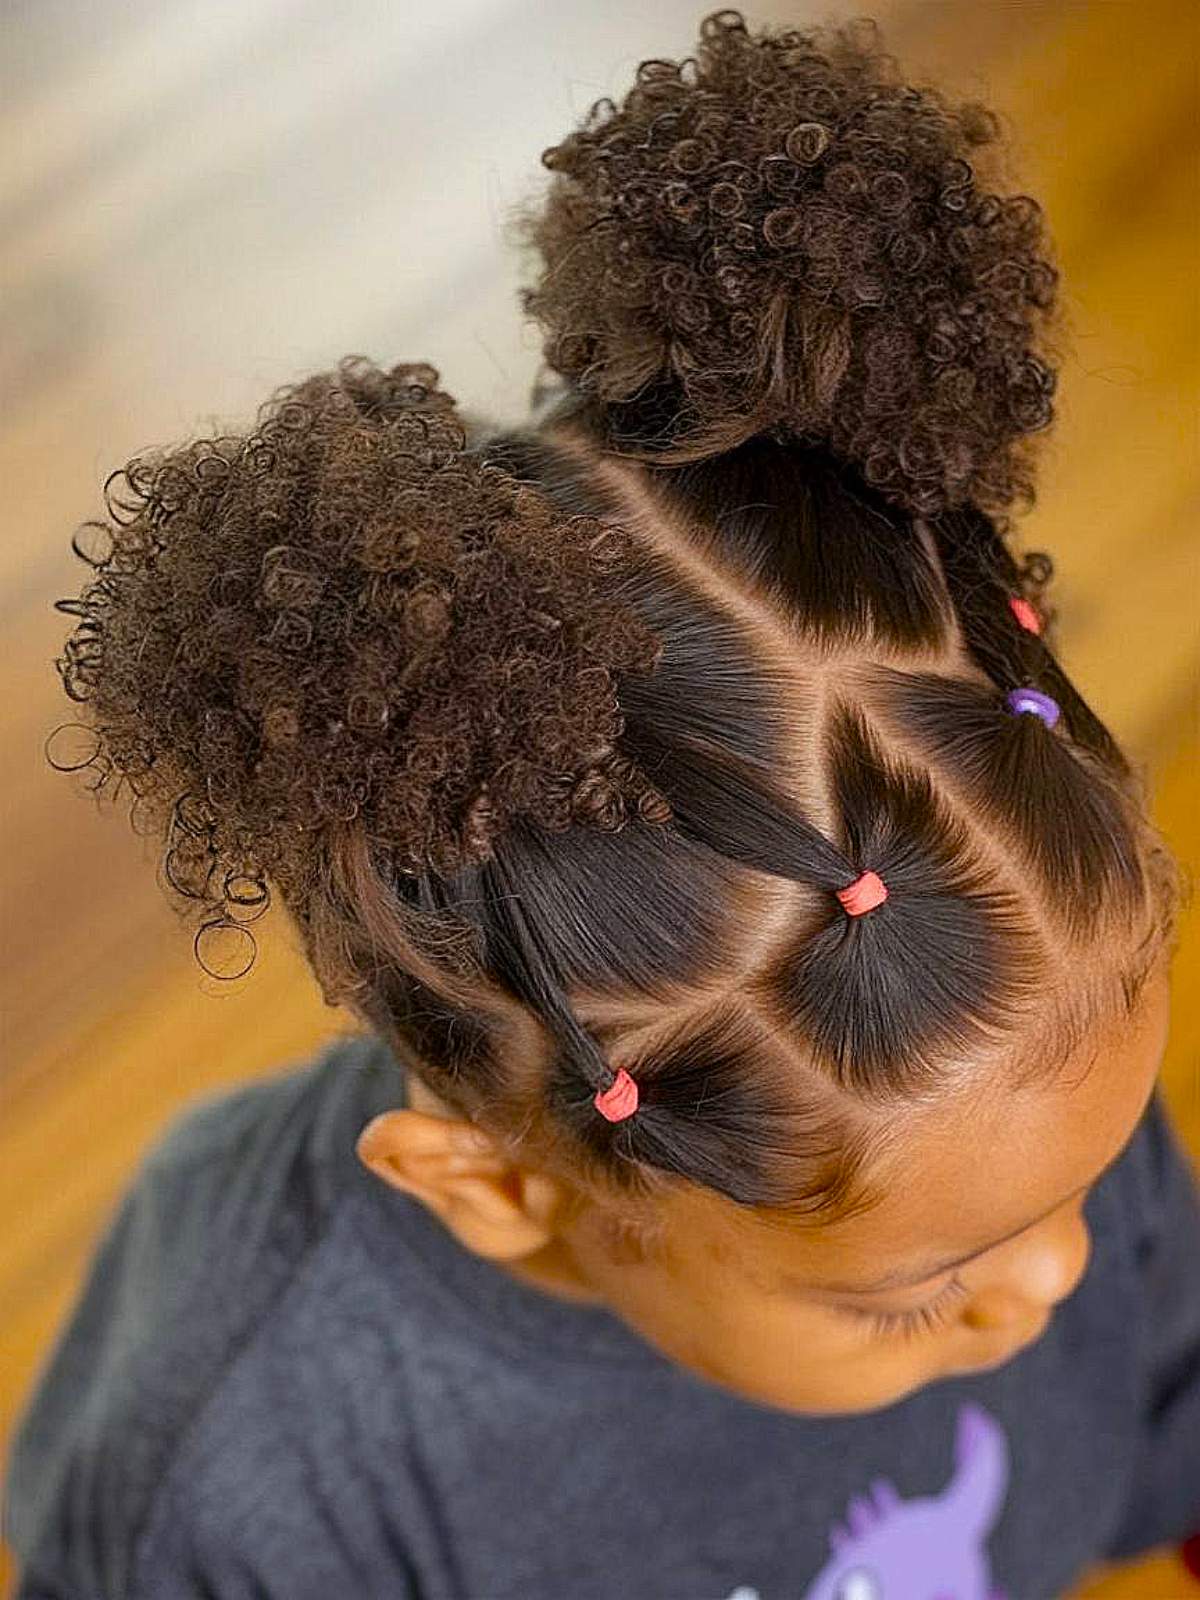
(345, 616)
(782, 238)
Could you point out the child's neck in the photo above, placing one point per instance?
(552, 1270)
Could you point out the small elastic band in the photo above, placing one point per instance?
(1033, 700)
(619, 1100)
(864, 894)
(1025, 614)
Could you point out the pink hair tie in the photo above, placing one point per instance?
(619, 1100)
(864, 894)
(1025, 614)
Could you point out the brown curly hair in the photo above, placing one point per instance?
(558, 746)
(783, 238)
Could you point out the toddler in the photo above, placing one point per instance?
(745, 1178)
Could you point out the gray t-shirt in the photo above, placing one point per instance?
(285, 1380)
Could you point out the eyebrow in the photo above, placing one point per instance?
(903, 1278)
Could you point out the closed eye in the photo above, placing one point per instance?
(907, 1324)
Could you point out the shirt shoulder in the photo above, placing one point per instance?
(1161, 1198)
(1155, 1184)
(226, 1206)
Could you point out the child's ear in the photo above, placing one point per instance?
(494, 1208)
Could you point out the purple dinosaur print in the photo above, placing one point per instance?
(931, 1548)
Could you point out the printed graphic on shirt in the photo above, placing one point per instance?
(890, 1548)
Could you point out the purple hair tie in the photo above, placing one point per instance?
(1018, 700)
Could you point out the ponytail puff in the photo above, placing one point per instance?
(777, 235)
(347, 620)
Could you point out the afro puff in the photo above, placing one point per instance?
(780, 237)
(342, 616)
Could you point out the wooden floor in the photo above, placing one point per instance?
(199, 201)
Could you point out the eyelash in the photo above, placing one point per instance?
(908, 1324)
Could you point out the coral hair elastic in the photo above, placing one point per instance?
(1025, 614)
(619, 1100)
(866, 892)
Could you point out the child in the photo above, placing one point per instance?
(749, 1182)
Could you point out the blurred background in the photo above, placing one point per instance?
(200, 200)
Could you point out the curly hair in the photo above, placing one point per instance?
(559, 747)
(783, 238)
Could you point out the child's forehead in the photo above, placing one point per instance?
(968, 1173)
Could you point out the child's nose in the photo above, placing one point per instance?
(1031, 1273)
